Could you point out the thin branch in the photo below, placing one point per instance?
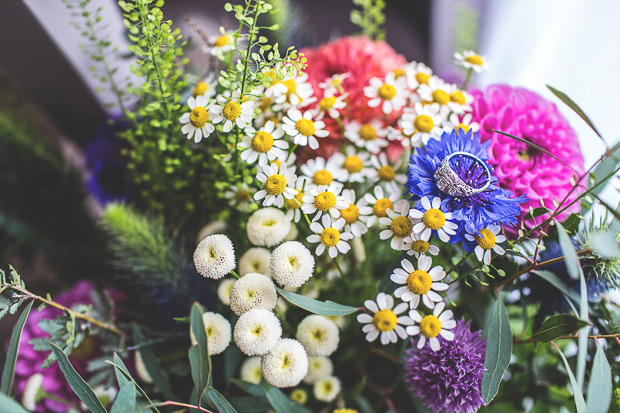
(573, 337)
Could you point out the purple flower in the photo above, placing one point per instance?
(449, 379)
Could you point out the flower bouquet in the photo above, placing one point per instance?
(331, 230)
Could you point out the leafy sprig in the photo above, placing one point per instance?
(370, 18)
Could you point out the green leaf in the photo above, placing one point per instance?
(605, 169)
(125, 399)
(253, 404)
(600, 387)
(557, 283)
(577, 394)
(251, 388)
(557, 326)
(198, 355)
(220, 401)
(8, 405)
(605, 245)
(277, 399)
(571, 104)
(8, 373)
(121, 371)
(498, 349)
(326, 308)
(536, 212)
(120, 367)
(77, 383)
(160, 378)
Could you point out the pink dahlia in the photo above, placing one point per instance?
(362, 58)
(519, 167)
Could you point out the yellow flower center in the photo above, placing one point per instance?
(430, 326)
(276, 162)
(222, 41)
(292, 204)
(401, 226)
(242, 196)
(419, 282)
(198, 117)
(458, 97)
(275, 184)
(325, 201)
(322, 177)
(474, 60)
(299, 395)
(441, 96)
(262, 142)
(434, 218)
(353, 164)
(305, 127)
(465, 128)
(330, 237)
(231, 111)
(386, 92)
(265, 103)
(487, 240)
(380, 207)
(286, 361)
(200, 89)
(291, 86)
(386, 173)
(399, 73)
(420, 246)
(368, 132)
(422, 78)
(327, 103)
(350, 214)
(423, 123)
(384, 320)
(258, 330)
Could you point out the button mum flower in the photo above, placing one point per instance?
(233, 111)
(265, 145)
(196, 122)
(432, 325)
(380, 205)
(390, 93)
(399, 222)
(330, 237)
(433, 218)
(486, 240)
(303, 128)
(422, 283)
(279, 183)
(385, 321)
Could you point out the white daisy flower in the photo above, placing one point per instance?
(380, 205)
(353, 166)
(319, 335)
(455, 122)
(206, 87)
(255, 260)
(304, 129)
(264, 145)
(415, 245)
(321, 172)
(231, 112)
(291, 264)
(326, 390)
(330, 236)
(334, 83)
(460, 101)
(423, 123)
(417, 74)
(390, 93)
(279, 183)
(196, 122)
(250, 370)
(219, 44)
(323, 199)
(385, 320)
(286, 365)
(386, 173)
(223, 290)
(422, 283)
(214, 256)
(438, 91)
(268, 227)
(266, 113)
(401, 225)
(471, 60)
(293, 92)
(352, 217)
(331, 105)
(294, 204)
(257, 332)
(239, 196)
(319, 368)
(432, 218)
(253, 290)
(370, 136)
(487, 240)
(432, 325)
(218, 332)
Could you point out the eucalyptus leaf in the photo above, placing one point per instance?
(600, 387)
(498, 349)
(8, 405)
(8, 372)
(571, 104)
(251, 388)
(125, 399)
(277, 399)
(557, 326)
(605, 245)
(158, 375)
(219, 401)
(250, 404)
(325, 308)
(198, 355)
(577, 394)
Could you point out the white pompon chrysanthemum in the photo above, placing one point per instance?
(471, 60)
(422, 283)
(218, 332)
(401, 225)
(279, 183)
(385, 320)
(214, 256)
(291, 264)
(255, 260)
(196, 122)
(319, 335)
(380, 205)
(268, 227)
(265, 144)
(253, 290)
(432, 325)
(371, 136)
(223, 290)
(326, 390)
(286, 365)
(323, 200)
(352, 216)
(231, 112)
(330, 236)
(390, 93)
(250, 370)
(415, 245)
(257, 332)
(303, 128)
(487, 240)
(319, 368)
(432, 218)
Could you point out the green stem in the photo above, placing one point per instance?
(467, 79)
(234, 274)
(339, 268)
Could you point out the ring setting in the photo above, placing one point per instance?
(449, 181)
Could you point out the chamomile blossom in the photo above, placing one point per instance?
(268, 227)
(323, 199)
(265, 144)
(423, 123)
(279, 183)
(399, 222)
(294, 204)
(385, 173)
(321, 172)
(219, 44)
(370, 136)
(330, 236)
(385, 320)
(196, 122)
(331, 105)
(354, 166)
(380, 204)
(390, 93)
(319, 335)
(415, 245)
(487, 239)
(293, 91)
(433, 218)
(419, 284)
(351, 216)
(334, 83)
(437, 91)
(303, 128)
(432, 325)
(471, 60)
(456, 122)
(460, 101)
(239, 196)
(233, 110)
(417, 74)
(206, 86)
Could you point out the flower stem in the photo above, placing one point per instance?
(235, 274)
(467, 79)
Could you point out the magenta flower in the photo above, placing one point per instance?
(519, 167)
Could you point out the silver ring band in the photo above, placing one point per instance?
(451, 183)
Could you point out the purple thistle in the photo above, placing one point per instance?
(449, 379)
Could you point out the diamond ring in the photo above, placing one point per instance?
(468, 181)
